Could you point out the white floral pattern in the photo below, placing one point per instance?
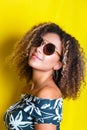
(32, 110)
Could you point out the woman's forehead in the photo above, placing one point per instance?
(52, 37)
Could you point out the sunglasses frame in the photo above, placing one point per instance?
(41, 42)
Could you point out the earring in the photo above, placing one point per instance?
(55, 74)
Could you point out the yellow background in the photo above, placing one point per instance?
(16, 17)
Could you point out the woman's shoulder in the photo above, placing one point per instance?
(49, 93)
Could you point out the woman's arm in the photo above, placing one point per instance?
(45, 127)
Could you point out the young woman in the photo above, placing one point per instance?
(52, 63)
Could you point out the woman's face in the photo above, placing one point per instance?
(39, 60)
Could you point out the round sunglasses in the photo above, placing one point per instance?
(48, 49)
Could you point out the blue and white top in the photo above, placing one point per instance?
(31, 110)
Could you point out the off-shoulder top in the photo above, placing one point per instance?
(31, 110)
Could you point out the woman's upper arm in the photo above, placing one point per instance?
(45, 127)
(48, 112)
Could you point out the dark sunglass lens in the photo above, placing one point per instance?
(49, 49)
(37, 42)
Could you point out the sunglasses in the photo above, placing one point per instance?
(48, 49)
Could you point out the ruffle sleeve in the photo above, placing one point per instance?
(46, 111)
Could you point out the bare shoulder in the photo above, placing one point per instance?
(49, 92)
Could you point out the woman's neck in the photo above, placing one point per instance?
(40, 78)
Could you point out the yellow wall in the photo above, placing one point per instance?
(16, 17)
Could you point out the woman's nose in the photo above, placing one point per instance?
(40, 48)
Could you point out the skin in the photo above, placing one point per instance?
(43, 66)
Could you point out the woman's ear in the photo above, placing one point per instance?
(58, 65)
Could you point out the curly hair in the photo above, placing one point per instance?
(70, 76)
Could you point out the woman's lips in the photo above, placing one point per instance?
(36, 57)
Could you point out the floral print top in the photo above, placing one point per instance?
(31, 110)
